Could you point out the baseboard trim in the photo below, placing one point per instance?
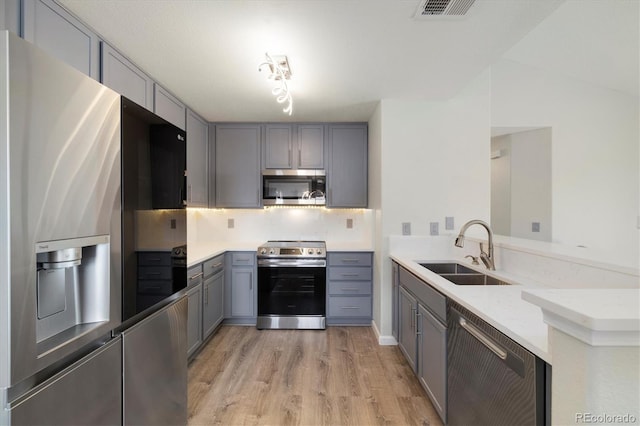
(383, 340)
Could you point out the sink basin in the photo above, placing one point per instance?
(461, 275)
(448, 268)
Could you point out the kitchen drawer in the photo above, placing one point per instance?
(213, 266)
(150, 258)
(155, 287)
(350, 288)
(350, 274)
(344, 306)
(350, 259)
(434, 301)
(243, 259)
(154, 273)
(194, 272)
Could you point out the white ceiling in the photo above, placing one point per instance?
(346, 55)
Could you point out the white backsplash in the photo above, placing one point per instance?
(148, 224)
(207, 225)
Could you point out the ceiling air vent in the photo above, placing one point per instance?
(430, 8)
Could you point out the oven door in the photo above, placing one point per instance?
(292, 296)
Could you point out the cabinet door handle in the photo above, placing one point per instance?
(351, 275)
(198, 275)
(418, 315)
(350, 307)
(349, 260)
(350, 289)
(413, 317)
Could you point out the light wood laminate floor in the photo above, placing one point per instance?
(340, 376)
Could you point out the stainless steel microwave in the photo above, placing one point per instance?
(293, 187)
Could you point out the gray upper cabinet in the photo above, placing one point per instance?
(10, 16)
(289, 146)
(310, 146)
(124, 77)
(348, 161)
(278, 146)
(197, 148)
(50, 27)
(237, 165)
(168, 106)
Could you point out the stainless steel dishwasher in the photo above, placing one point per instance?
(491, 379)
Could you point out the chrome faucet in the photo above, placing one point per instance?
(487, 258)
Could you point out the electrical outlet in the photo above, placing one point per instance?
(448, 223)
(349, 223)
(535, 226)
(406, 228)
(172, 224)
(433, 228)
(231, 223)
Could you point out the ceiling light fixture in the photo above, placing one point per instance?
(280, 72)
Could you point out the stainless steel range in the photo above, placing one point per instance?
(292, 285)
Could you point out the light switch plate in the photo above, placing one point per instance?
(406, 228)
(535, 226)
(448, 223)
(349, 223)
(231, 223)
(172, 224)
(433, 228)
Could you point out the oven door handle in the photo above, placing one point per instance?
(294, 263)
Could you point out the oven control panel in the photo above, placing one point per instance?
(269, 250)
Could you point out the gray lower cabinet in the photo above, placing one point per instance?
(169, 107)
(212, 295)
(394, 299)
(124, 77)
(422, 335)
(197, 164)
(349, 288)
(240, 288)
(53, 29)
(407, 331)
(432, 358)
(87, 392)
(194, 301)
(347, 174)
(237, 165)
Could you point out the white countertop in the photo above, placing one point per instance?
(199, 252)
(500, 306)
(598, 317)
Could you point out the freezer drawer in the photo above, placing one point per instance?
(89, 392)
(155, 368)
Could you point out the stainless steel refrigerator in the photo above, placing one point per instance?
(71, 228)
(60, 242)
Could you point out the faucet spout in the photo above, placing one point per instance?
(487, 258)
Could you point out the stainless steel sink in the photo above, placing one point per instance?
(461, 275)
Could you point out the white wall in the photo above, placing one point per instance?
(595, 190)
(434, 163)
(375, 203)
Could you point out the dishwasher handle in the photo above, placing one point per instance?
(480, 336)
(508, 357)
